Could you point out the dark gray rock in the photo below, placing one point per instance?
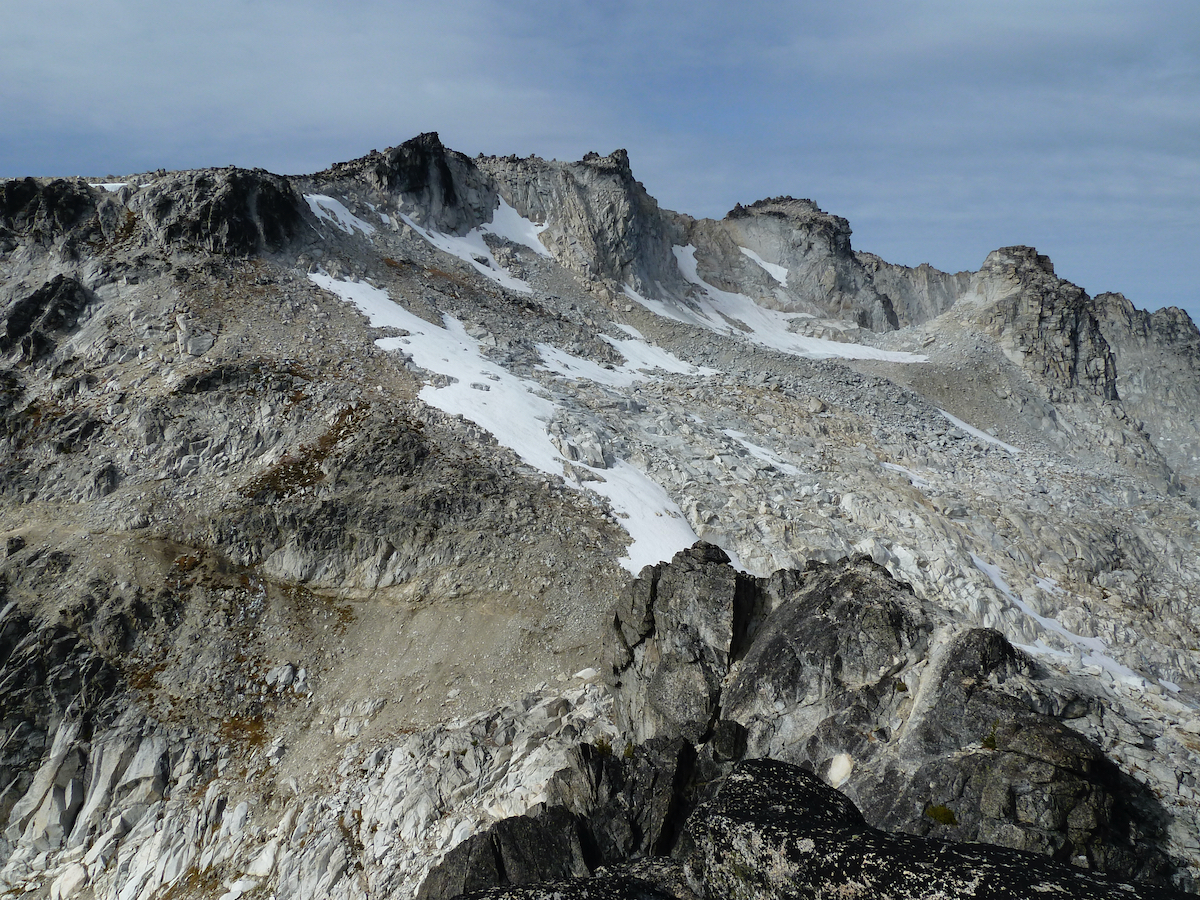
(34, 322)
(776, 831)
(233, 212)
(516, 851)
(669, 649)
(930, 728)
(441, 188)
(44, 210)
(609, 887)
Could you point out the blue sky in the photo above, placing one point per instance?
(941, 130)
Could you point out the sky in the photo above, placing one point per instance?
(940, 130)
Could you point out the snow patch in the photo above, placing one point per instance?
(511, 225)
(473, 250)
(975, 432)
(779, 273)
(739, 316)
(641, 361)
(762, 453)
(111, 186)
(516, 413)
(334, 211)
(1094, 650)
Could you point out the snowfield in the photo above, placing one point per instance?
(737, 315)
(516, 413)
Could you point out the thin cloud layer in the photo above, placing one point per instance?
(941, 130)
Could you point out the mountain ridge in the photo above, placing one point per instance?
(336, 480)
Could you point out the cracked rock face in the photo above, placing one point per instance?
(932, 729)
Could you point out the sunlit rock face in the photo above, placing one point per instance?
(434, 524)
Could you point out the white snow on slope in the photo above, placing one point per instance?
(1093, 650)
(762, 453)
(516, 413)
(510, 224)
(471, 249)
(779, 273)
(641, 359)
(334, 211)
(737, 315)
(111, 186)
(976, 432)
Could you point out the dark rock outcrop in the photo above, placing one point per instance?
(44, 210)
(776, 831)
(440, 188)
(36, 321)
(234, 212)
(931, 728)
(516, 851)
(674, 630)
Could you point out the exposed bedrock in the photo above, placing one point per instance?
(931, 728)
(234, 212)
(1158, 376)
(777, 831)
(823, 278)
(439, 188)
(1045, 324)
(917, 294)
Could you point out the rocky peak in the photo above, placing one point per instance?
(434, 185)
(833, 230)
(617, 161)
(1046, 324)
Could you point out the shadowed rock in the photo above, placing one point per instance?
(235, 212)
(35, 321)
(776, 831)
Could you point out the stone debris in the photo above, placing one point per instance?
(265, 605)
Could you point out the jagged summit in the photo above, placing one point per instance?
(431, 523)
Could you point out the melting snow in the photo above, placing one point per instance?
(335, 212)
(471, 248)
(975, 432)
(110, 186)
(516, 413)
(916, 480)
(640, 357)
(779, 273)
(738, 315)
(763, 453)
(510, 224)
(1095, 651)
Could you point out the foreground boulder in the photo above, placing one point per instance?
(777, 831)
(930, 727)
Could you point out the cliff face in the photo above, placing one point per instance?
(919, 294)
(322, 497)
(1044, 323)
(1158, 375)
